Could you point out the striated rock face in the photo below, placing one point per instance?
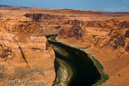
(71, 29)
(100, 34)
(124, 24)
(48, 23)
(40, 16)
(18, 23)
(108, 41)
(25, 54)
(100, 24)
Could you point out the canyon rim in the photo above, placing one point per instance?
(25, 53)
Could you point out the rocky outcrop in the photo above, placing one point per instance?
(101, 34)
(124, 24)
(36, 16)
(25, 55)
(102, 24)
(18, 23)
(48, 23)
(73, 29)
(107, 40)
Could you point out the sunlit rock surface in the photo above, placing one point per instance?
(26, 54)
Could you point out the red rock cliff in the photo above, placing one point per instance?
(24, 52)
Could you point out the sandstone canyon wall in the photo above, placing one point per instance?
(107, 40)
(24, 53)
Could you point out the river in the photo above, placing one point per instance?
(73, 66)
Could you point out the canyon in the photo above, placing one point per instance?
(26, 54)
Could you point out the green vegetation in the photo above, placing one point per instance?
(53, 38)
(62, 77)
(66, 68)
(99, 67)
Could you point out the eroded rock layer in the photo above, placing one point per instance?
(25, 55)
(24, 49)
(108, 40)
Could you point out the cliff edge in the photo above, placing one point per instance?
(25, 55)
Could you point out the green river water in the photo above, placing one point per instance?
(74, 67)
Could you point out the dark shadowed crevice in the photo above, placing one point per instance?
(23, 55)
